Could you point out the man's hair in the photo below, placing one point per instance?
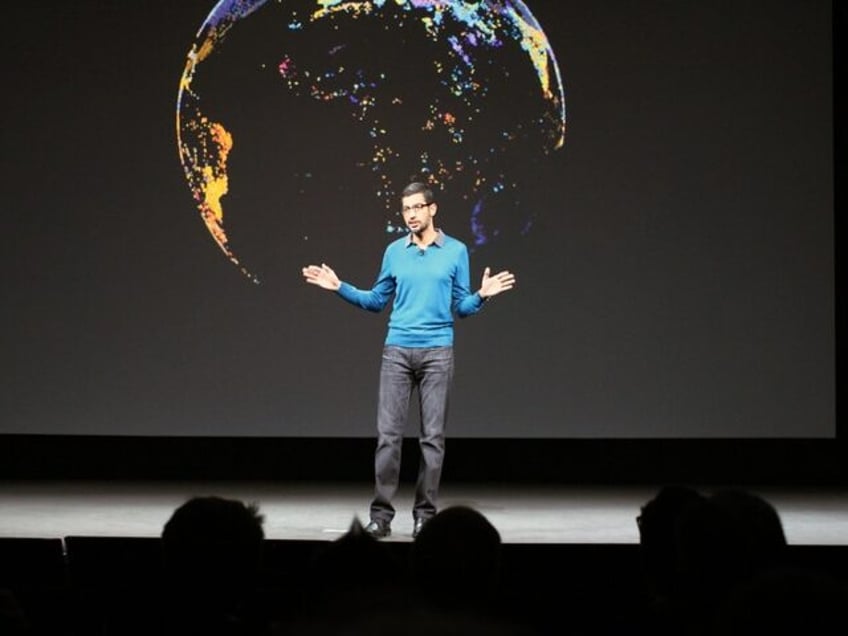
(417, 187)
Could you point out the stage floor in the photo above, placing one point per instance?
(534, 514)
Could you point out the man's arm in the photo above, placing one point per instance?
(373, 300)
(467, 303)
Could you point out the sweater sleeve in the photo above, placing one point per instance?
(378, 296)
(465, 302)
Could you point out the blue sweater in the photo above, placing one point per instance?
(429, 287)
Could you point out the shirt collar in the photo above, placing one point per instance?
(439, 241)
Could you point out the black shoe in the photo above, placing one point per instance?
(378, 528)
(417, 526)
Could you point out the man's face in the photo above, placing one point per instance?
(417, 213)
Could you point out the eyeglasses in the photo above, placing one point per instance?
(416, 206)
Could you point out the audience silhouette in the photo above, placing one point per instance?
(353, 585)
(456, 561)
(711, 565)
(449, 584)
(658, 524)
(355, 574)
(701, 548)
(456, 568)
(213, 549)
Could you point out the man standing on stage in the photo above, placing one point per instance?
(428, 274)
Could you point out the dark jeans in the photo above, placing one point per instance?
(403, 369)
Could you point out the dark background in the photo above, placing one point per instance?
(677, 312)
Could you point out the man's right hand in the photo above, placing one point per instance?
(323, 276)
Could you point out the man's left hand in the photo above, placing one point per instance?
(494, 285)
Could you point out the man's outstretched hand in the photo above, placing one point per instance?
(322, 276)
(494, 285)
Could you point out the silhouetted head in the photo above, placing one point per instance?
(353, 574)
(727, 539)
(456, 558)
(658, 521)
(212, 542)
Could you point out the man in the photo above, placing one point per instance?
(428, 274)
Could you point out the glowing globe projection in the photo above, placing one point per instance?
(307, 96)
